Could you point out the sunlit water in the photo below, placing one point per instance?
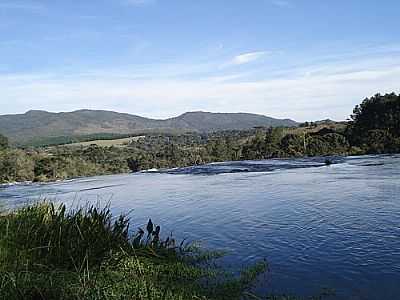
(318, 226)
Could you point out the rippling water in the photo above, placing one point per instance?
(318, 226)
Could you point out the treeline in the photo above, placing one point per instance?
(153, 151)
(374, 127)
(278, 143)
(59, 163)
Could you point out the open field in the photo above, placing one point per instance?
(107, 143)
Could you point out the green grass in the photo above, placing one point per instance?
(49, 252)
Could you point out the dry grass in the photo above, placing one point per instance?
(107, 143)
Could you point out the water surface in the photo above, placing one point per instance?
(318, 226)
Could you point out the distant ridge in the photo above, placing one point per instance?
(33, 124)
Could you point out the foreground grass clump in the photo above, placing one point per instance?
(49, 252)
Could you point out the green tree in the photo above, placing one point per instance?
(378, 141)
(3, 142)
(375, 113)
(293, 145)
(47, 167)
(15, 165)
(273, 138)
(133, 164)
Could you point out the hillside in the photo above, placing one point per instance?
(35, 124)
(206, 121)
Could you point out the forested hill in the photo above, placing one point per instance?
(33, 124)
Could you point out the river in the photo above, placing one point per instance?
(318, 226)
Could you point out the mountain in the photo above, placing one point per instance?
(34, 124)
(206, 121)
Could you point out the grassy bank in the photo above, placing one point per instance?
(48, 252)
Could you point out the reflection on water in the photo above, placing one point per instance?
(318, 226)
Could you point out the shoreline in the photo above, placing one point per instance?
(158, 170)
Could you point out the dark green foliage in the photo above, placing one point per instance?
(3, 142)
(255, 148)
(46, 166)
(327, 144)
(378, 141)
(133, 164)
(375, 124)
(294, 145)
(279, 143)
(316, 145)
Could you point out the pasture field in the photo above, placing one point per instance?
(107, 143)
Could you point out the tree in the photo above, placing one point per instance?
(273, 138)
(3, 142)
(15, 165)
(375, 113)
(379, 141)
(375, 124)
(316, 145)
(46, 167)
(293, 145)
(133, 164)
(254, 148)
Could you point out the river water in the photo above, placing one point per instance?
(318, 226)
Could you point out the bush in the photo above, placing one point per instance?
(15, 165)
(3, 142)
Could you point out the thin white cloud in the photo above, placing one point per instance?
(329, 93)
(248, 57)
(319, 90)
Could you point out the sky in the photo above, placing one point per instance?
(299, 59)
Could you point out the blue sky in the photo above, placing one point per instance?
(300, 59)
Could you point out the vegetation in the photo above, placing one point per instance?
(48, 252)
(373, 128)
(375, 124)
(3, 142)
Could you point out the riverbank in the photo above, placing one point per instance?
(100, 172)
(48, 252)
(165, 152)
(323, 160)
(273, 215)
